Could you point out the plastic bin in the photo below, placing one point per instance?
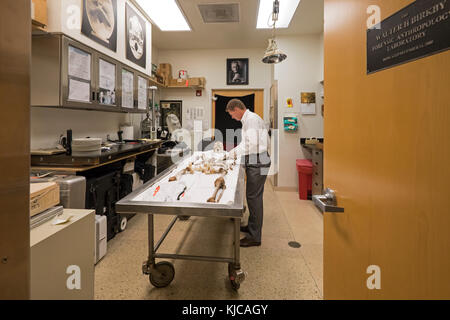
(305, 170)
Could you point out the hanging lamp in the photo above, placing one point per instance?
(273, 54)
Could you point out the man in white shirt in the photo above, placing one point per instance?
(253, 148)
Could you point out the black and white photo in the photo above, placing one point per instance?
(135, 37)
(237, 71)
(100, 22)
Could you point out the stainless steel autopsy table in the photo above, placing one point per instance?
(162, 273)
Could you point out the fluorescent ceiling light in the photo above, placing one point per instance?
(166, 14)
(287, 10)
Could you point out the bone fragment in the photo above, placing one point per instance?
(221, 194)
(219, 184)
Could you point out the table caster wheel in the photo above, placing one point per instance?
(162, 274)
(236, 276)
(235, 285)
(184, 218)
(123, 221)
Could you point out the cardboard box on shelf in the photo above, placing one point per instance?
(191, 82)
(165, 70)
(177, 83)
(39, 12)
(43, 196)
(198, 82)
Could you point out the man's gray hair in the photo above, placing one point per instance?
(235, 103)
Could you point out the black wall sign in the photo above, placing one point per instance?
(418, 30)
(100, 22)
(136, 37)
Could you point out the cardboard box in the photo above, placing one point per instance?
(177, 83)
(198, 82)
(191, 82)
(43, 196)
(165, 70)
(39, 12)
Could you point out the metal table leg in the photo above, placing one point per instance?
(235, 273)
(150, 262)
(162, 273)
(237, 244)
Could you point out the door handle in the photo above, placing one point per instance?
(327, 202)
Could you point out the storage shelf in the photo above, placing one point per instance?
(156, 83)
(182, 87)
(193, 83)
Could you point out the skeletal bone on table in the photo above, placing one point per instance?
(189, 169)
(176, 177)
(211, 165)
(218, 147)
(219, 184)
(221, 194)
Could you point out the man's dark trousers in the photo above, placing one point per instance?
(256, 171)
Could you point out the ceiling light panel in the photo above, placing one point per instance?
(165, 14)
(287, 10)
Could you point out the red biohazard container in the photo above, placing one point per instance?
(305, 170)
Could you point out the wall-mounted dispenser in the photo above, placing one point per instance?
(290, 122)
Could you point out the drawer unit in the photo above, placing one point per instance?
(317, 177)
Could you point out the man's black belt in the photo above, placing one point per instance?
(257, 160)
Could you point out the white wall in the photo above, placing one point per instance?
(211, 64)
(302, 71)
(48, 124)
(155, 55)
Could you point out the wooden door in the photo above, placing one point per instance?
(387, 156)
(15, 59)
(259, 100)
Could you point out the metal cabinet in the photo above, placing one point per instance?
(141, 92)
(133, 90)
(106, 72)
(77, 75)
(127, 89)
(66, 73)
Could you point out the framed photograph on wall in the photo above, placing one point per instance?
(99, 22)
(308, 102)
(136, 45)
(237, 71)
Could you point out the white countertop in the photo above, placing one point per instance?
(46, 230)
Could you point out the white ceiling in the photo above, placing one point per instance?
(308, 19)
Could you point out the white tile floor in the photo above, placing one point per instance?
(274, 270)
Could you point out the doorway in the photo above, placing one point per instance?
(259, 100)
(253, 99)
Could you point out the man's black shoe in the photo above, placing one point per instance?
(246, 242)
(244, 229)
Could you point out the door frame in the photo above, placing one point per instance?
(274, 127)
